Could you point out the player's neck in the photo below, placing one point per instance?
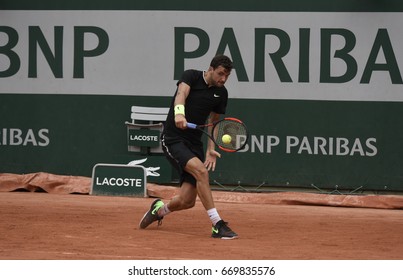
(206, 78)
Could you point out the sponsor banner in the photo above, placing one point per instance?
(120, 180)
(344, 145)
(321, 92)
(293, 143)
(343, 56)
(143, 137)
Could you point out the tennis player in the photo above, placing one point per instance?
(200, 97)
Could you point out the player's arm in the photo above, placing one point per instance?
(179, 105)
(211, 153)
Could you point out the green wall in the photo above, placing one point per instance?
(306, 130)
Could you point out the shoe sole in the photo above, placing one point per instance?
(226, 237)
(140, 227)
(229, 238)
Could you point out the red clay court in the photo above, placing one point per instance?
(56, 224)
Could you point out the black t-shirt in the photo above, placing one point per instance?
(201, 101)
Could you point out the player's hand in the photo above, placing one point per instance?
(211, 158)
(180, 121)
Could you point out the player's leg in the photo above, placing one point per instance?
(178, 154)
(220, 228)
(195, 181)
(188, 192)
(184, 200)
(197, 169)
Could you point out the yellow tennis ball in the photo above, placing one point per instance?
(226, 139)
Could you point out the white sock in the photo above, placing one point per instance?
(213, 214)
(164, 211)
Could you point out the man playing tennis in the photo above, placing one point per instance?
(200, 96)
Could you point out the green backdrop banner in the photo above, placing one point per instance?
(318, 83)
(292, 143)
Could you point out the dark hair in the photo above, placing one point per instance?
(221, 60)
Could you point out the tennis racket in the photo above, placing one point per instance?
(229, 134)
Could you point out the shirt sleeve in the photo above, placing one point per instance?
(187, 78)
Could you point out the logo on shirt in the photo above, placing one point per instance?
(216, 95)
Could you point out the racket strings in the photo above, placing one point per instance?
(236, 130)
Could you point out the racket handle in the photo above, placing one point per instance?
(191, 125)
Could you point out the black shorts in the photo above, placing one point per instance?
(179, 153)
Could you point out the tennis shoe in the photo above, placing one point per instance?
(152, 215)
(222, 230)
